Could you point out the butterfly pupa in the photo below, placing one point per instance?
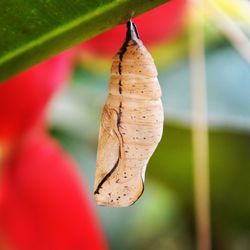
(131, 124)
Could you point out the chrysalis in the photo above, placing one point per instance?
(131, 124)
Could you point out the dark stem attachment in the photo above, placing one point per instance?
(132, 33)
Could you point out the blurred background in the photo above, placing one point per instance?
(202, 52)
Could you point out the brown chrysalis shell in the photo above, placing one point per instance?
(131, 125)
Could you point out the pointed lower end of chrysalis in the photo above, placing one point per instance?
(132, 33)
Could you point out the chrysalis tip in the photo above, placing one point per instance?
(132, 33)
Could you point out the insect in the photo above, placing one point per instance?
(131, 124)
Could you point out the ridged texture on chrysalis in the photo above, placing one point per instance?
(131, 125)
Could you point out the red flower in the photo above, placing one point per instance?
(161, 23)
(24, 97)
(43, 203)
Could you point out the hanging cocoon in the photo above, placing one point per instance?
(131, 124)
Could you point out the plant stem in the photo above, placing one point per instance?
(199, 126)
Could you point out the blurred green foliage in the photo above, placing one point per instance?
(32, 31)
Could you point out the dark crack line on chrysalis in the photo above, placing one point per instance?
(106, 177)
(119, 115)
(120, 86)
(132, 34)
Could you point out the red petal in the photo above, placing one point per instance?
(43, 202)
(23, 98)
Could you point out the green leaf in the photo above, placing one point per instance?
(31, 31)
